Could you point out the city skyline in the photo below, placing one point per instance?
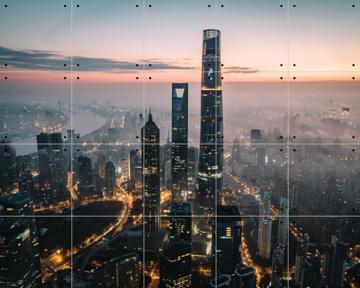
(178, 144)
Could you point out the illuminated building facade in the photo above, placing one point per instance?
(179, 138)
(210, 171)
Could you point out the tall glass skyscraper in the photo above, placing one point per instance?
(210, 173)
(150, 142)
(179, 138)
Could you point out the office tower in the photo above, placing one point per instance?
(228, 239)
(135, 170)
(180, 221)
(335, 258)
(245, 277)
(210, 173)
(110, 178)
(51, 165)
(255, 136)
(179, 139)
(165, 166)
(119, 272)
(278, 266)
(260, 156)
(70, 152)
(25, 178)
(19, 246)
(86, 186)
(150, 144)
(100, 165)
(264, 232)
(307, 263)
(7, 167)
(43, 140)
(236, 150)
(193, 161)
(175, 264)
(283, 227)
(125, 169)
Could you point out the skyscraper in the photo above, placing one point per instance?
(7, 167)
(210, 173)
(228, 239)
(278, 266)
(283, 227)
(180, 221)
(86, 187)
(179, 139)
(335, 258)
(307, 263)
(51, 165)
(265, 225)
(150, 144)
(121, 271)
(165, 165)
(175, 265)
(19, 246)
(25, 178)
(110, 178)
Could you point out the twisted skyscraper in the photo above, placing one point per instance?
(210, 175)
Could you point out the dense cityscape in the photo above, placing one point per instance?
(95, 194)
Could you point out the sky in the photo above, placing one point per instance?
(107, 38)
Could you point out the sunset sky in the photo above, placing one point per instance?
(109, 37)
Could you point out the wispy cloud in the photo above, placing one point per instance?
(237, 69)
(54, 61)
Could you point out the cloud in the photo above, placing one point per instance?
(54, 61)
(243, 70)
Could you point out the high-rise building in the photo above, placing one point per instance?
(307, 263)
(180, 221)
(265, 225)
(150, 144)
(245, 277)
(165, 166)
(278, 266)
(135, 170)
(25, 178)
(335, 261)
(193, 161)
(119, 272)
(19, 246)
(175, 264)
(228, 239)
(51, 165)
(86, 186)
(210, 172)
(7, 167)
(283, 227)
(255, 136)
(125, 169)
(179, 139)
(110, 178)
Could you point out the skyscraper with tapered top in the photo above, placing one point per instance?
(210, 172)
(150, 143)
